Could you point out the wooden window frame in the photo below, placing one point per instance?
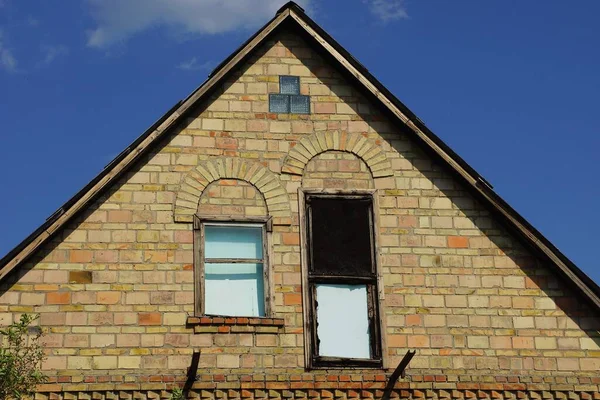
(199, 283)
(374, 286)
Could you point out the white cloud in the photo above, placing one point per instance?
(7, 59)
(193, 65)
(51, 53)
(31, 21)
(387, 10)
(118, 20)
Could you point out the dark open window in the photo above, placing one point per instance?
(342, 281)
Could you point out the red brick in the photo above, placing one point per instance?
(80, 256)
(458, 242)
(119, 216)
(150, 319)
(324, 108)
(290, 239)
(227, 143)
(58, 298)
(413, 320)
(397, 341)
(292, 299)
(160, 256)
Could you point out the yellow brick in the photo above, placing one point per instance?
(228, 361)
(104, 362)
(76, 363)
(212, 124)
(174, 319)
(129, 362)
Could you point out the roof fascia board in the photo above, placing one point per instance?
(131, 157)
(484, 190)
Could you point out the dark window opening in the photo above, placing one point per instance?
(342, 281)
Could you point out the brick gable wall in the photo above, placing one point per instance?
(115, 288)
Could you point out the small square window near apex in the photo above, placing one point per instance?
(299, 104)
(289, 100)
(289, 84)
(279, 103)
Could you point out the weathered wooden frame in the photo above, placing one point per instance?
(373, 283)
(199, 223)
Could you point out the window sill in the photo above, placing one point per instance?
(336, 362)
(215, 324)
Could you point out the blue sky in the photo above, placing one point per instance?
(512, 86)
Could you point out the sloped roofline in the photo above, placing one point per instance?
(293, 13)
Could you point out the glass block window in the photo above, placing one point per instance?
(300, 104)
(289, 99)
(289, 84)
(279, 103)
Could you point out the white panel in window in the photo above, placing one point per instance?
(234, 290)
(233, 242)
(343, 321)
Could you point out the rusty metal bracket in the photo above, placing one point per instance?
(192, 372)
(398, 372)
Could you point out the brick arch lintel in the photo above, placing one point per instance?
(265, 181)
(355, 143)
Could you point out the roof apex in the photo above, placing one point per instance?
(290, 5)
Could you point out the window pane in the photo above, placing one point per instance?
(300, 104)
(233, 242)
(289, 85)
(234, 289)
(343, 321)
(279, 103)
(341, 237)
